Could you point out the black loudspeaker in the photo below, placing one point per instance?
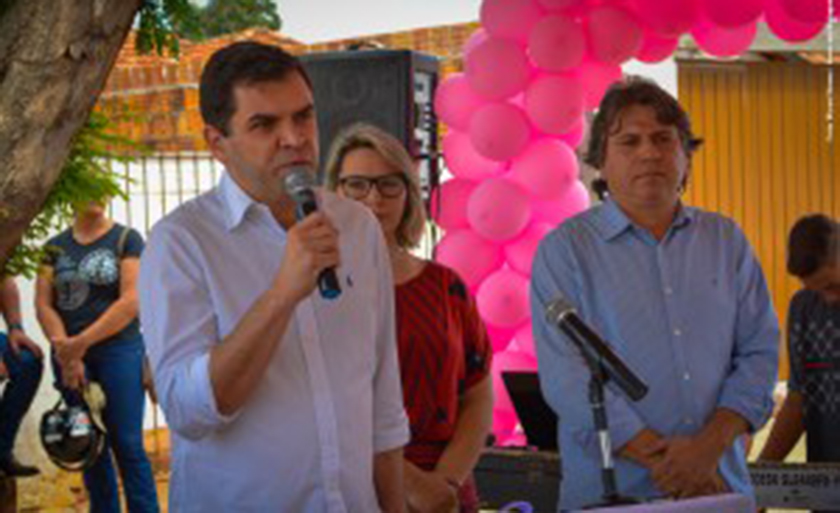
(392, 89)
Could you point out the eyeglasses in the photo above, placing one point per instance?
(358, 187)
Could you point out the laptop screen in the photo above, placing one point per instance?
(538, 420)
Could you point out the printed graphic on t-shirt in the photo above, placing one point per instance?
(100, 267)
(72, 282)
(71, 291)
(816, 343)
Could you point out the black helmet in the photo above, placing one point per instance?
(71, 438)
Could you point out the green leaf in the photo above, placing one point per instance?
(85, 177)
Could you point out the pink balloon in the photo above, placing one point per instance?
(455, 102)
(475, 39)
(614, 35)
(499, 131)
(509, 19)
(449, 203)
(555, 212)
(469, 255)
(788, 28)
(555, 103)
(525, 340)
(499, 209)
(504, 421)
(557, 43)
(596, 78)
(503, 299)
(560, 5)
(464, 162)
(546, 169)
(575, 136)
(500, 338)
(520, 253)
(497, 69)
(515, 439)
(807, 11)
(732, 14)
(723, 42)
(656, 48)
(504, 416)
(669, 18)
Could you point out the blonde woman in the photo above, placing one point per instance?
(444, 350)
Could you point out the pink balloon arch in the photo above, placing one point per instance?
(517, 112)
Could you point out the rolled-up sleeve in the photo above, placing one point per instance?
(390, 423)
(179, 328)
(564, 376)
(748, 390)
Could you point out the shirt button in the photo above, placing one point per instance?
(668, 291)
(687, 376)
(688, 421)
(677, 332)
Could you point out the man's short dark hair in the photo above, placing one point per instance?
(814, 241)
(241, 63)
(630, 91)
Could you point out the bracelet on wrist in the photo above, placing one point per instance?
(15, 326)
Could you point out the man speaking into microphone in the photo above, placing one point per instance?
(269, 316)
(679, 296)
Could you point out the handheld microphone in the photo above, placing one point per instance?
(563, 315)
(299, 183)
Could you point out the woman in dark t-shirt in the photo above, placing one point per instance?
(86, 300)
(443, 345)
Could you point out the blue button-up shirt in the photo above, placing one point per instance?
(689, 313)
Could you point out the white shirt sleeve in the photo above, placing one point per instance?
(180, 328)
(390, 423)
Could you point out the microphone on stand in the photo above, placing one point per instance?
(299, 185)
(603, 365)
(562, 314)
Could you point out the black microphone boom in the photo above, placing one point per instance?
(563, 315)
(298, 185)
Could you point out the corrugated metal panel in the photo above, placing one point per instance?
(767, 159)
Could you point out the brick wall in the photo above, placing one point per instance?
(154, 99)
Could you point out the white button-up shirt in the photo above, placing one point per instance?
(331, 397)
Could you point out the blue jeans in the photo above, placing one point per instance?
(25, 371)
(117, 366)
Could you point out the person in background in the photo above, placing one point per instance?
(86, 301)
(21, 366)
(812, 404)
(444, 350)
(278, 398)
(680, 297)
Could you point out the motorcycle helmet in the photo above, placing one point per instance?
(72, 436)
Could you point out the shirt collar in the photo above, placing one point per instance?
(613, 221)
(236, 201)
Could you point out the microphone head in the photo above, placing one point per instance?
(557, 309)
(299, 181)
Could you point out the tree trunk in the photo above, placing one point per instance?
(8, 495)
(55, 56)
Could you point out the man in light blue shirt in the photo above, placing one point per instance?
(278, 399)
(681, 298)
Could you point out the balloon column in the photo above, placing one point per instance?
(516, 114)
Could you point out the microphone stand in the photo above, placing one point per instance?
(597, 381)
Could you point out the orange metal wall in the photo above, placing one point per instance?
(767, 159)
